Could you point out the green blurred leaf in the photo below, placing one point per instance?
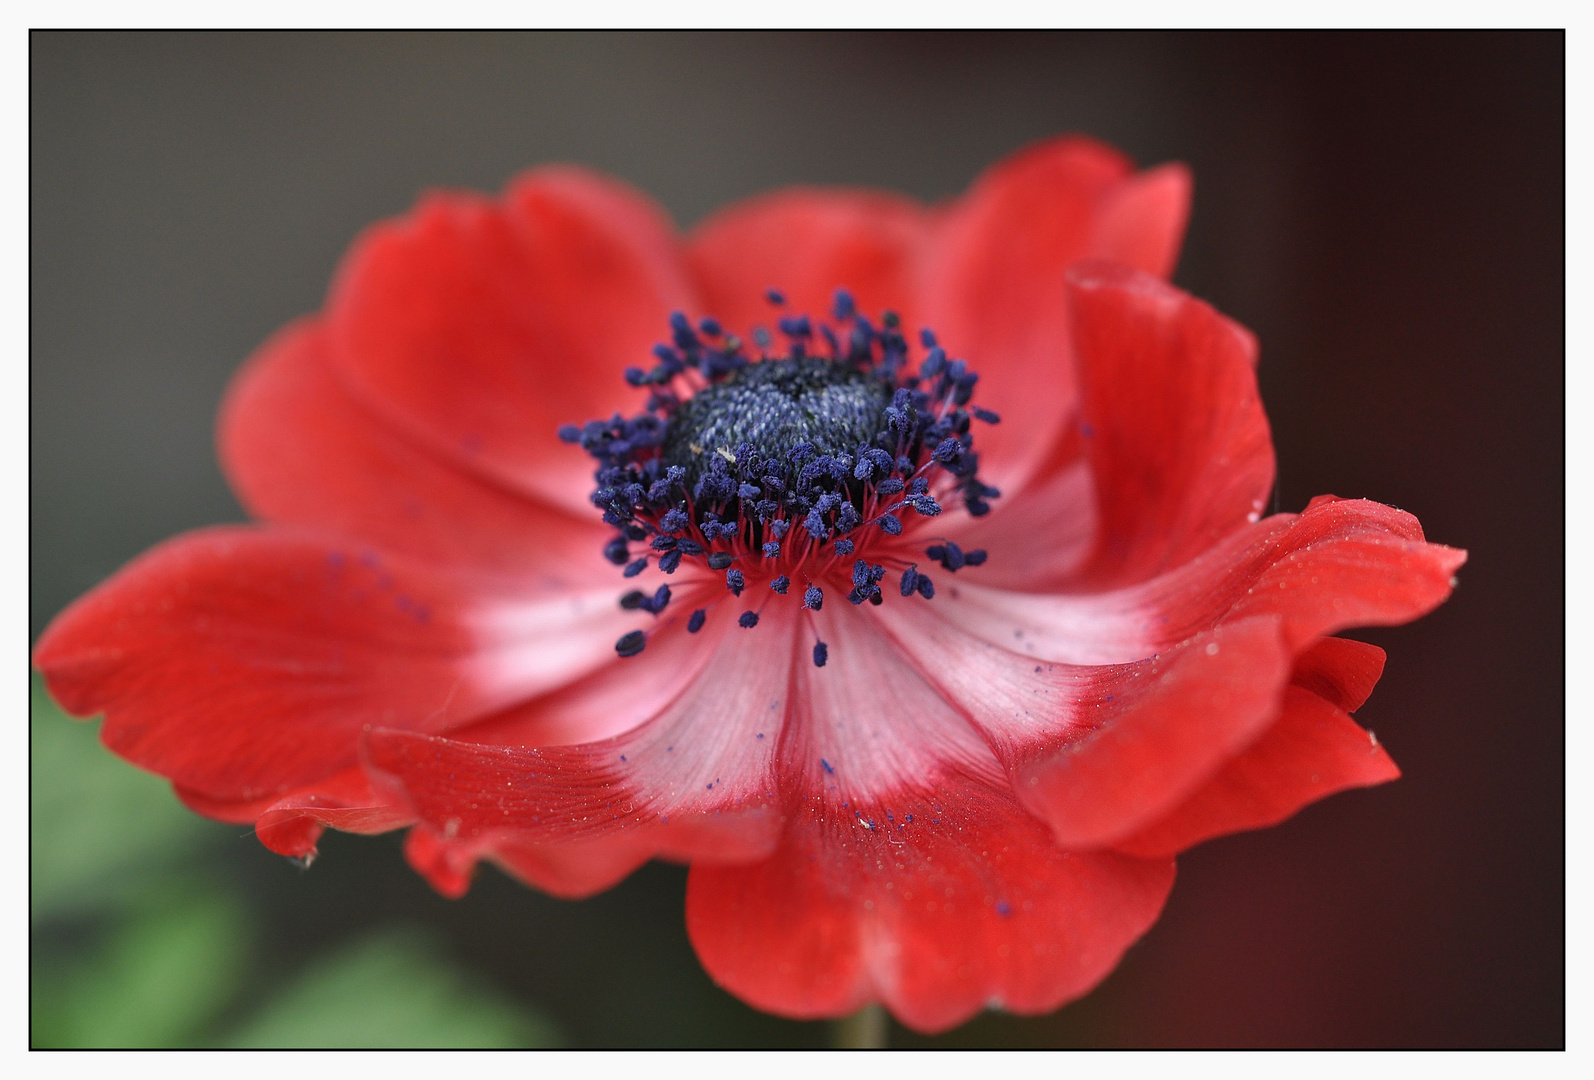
(162, 976)
(99, 827)
(392, 989)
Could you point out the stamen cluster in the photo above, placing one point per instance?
(789, 465)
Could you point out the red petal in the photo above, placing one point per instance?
(1099, 752)
(347, 802)
(867, 723)
(618, 697)
(995, 286)
(694, 782)
(807, 242)
(445, 866)
(481, 326)
(232, 811)
(569, 870)
(1038, 541)
(1159, 729)
(1342, 563)
(963, 906)
(1174, 429)
(244, 663)
(1314, 750)
(1141, 222)
(292, 824)
(573, 870)
(299, 451)
(1341, 671)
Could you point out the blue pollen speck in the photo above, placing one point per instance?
(1003, 908)
(658, 602)
(748, 619)
(910, 581)
(826, 764)
(821, 654)
(631, 644)
(695, 623)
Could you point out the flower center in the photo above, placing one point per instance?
(773, 406)
(793, 467)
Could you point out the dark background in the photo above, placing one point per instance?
(1385, 211)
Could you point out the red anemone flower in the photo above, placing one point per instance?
(940, 659)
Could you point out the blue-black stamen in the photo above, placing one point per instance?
(910, 580)
(955, 558)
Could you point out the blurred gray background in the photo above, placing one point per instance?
(1385, 211)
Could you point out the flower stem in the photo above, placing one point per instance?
(866, 1029)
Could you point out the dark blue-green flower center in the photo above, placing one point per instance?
(774, 406)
